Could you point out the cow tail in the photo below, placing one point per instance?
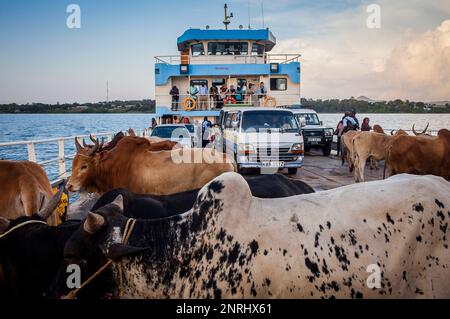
(388, 151)
(343, 152)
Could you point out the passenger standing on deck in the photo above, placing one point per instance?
(213, 93)
(203, 97)
(251, 94)
(153, 123)
(206, 131)
(175, 97)
(261, 92)
(339, 131)
(365, 125)
(193, 91)
(222, 95)
(239, 94)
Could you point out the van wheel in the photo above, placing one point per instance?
(292, 171)
(326, 150)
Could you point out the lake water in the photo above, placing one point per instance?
(19, 127)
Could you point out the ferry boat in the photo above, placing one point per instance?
(219, 68)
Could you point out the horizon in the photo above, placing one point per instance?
(43, 61)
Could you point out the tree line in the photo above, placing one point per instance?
(395, 106)
(137, 106)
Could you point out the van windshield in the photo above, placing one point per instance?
(170, 131)
(309, 118)
(269, 120)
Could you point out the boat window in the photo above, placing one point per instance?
(218, 82)
(257, 49)
(228, 48)
(199, 83)
(278, 84)
(197, 49)
(269, 121)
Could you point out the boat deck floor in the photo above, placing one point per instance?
(326, 172)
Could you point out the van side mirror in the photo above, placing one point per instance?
(321, 123)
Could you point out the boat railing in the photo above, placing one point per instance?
(62, 157)
(283, 58)
(211, 102)
(266, 58)
(168, 59)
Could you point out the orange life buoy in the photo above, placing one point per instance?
(192, 106)
(231, 99)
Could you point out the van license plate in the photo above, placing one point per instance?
(314, 139)
(273, 164)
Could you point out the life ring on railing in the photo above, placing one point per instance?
(192, 106)
(231, 99)
(267, 99)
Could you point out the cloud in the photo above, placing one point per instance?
(407, 58)
(419, 68)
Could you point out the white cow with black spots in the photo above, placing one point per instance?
(233, 245)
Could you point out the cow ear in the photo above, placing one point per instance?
(117, 251)
(4, 224)
(118, 202)
(93, 223)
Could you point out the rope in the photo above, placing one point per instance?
(22, 225)
(129, 226)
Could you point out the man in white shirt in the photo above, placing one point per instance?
(203, 97)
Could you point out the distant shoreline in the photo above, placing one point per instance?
(148, 107)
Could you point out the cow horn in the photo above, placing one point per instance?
(426, 128)
(94, 140)
(4, 224)
(131, 132)
(93, 223)
(77, 144)
(47, 211)
(392, 132)
(414, 131)
(118, 202)
(94, 148)
(84, 143)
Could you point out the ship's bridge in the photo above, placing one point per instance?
(232, 59)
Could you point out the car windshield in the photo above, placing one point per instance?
(269, 120)
(170, 132)
(309, 118)
(190, 127)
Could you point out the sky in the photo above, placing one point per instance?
(42, 60)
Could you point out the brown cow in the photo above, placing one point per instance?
(143, 167)
(25, 189)
(420, 155)
(370, 145)
(378, 129)
(347, 148)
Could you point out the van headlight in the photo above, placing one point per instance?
(297, 148)
(329, 132)
(247, 149)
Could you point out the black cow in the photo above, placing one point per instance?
(31, 253)
(150, 206)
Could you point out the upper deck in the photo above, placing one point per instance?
(234, 60)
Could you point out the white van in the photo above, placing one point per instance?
(264, 138)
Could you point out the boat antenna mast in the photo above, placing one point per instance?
(227, 21)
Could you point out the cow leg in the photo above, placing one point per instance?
(360, 164)
(32, 200)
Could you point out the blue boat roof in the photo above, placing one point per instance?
(192, 35)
